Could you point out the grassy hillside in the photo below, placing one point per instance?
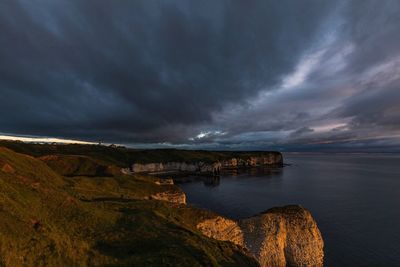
(124, 157)
(68, 210)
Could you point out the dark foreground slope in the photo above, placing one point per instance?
(79, 211)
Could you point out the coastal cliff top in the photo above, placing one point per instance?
(71, 211)
(96, 213)
(123, 157)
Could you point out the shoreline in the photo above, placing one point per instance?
(91, 185)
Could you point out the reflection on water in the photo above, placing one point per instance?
(354, 199)
(212, 181)
(267, 171)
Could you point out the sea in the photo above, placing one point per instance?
(355, 199)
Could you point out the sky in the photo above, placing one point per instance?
(287, 75)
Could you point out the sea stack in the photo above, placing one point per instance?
(284, 236)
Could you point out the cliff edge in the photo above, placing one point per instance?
(284, 236)
(78, 210)
(211, 166)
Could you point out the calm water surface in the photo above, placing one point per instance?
(355, 199)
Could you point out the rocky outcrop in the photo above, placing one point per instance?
(286, 236)
(208, 167)
(200, 167)
(169, 192)
(175, 196)
(223, 229)
(265, 160)
(166, 181)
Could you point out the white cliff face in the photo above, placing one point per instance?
(177, 167)
(233, 162)
(286, 236)
(203, 167)
(149, 167)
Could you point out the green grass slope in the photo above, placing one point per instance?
(68, 165)
(68, 213)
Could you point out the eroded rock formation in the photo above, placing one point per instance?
(166, 181)
(223, 229)
(208, 167)
(171, 193)
(286, 236)
(200, 167)
(173, 196)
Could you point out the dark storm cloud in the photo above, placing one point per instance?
(342, 95)
(373, 26)
(138, 70)
(211, 74)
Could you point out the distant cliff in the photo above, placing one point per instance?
(124, 157)
(213, 167)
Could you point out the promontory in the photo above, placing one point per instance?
(96, 205)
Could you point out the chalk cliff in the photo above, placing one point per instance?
(286, 236)
(201, 167)
(267, 159)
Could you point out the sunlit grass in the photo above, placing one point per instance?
(96, 217)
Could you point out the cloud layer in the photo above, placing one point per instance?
(224, 75)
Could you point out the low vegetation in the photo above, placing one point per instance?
(69, 205)
(123, 157)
